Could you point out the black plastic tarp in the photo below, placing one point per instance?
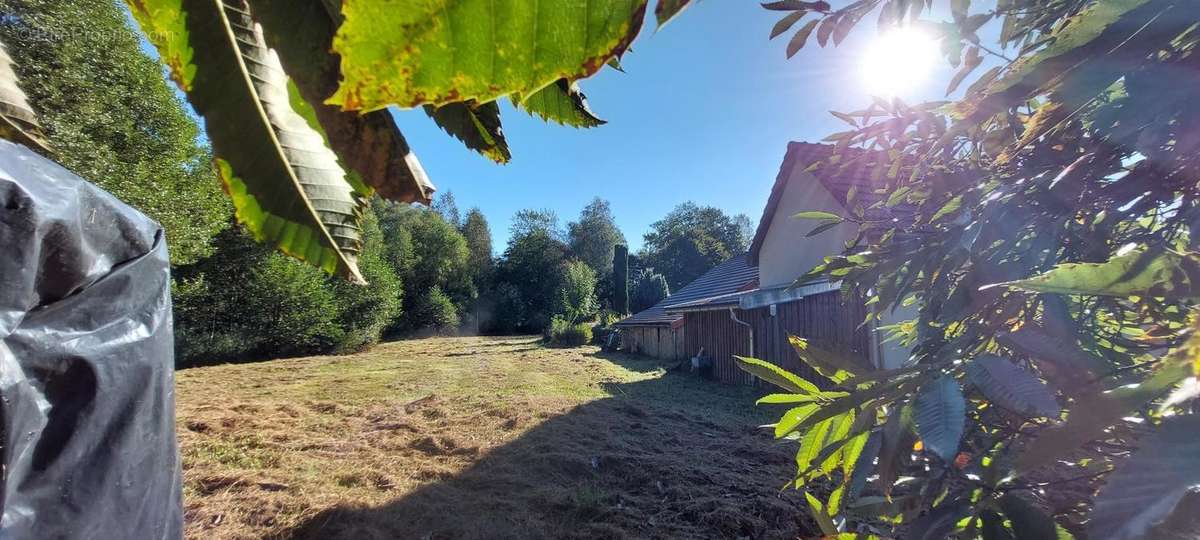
(87, 404)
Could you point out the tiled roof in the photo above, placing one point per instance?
(731, 276)
(836, 178)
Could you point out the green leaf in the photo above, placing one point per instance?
(801, 37)
(371, 144)
(839, 431)
(287, 186)
(1145, 488)
(993, 527)
(817, 214)
(165, 25)
(1028, 521)
(950, 207)
(822, 228)
(940, 414)
(18, 122)
(1085, 27)
(799, 398)
(836, 367)
(414, 52)
(813, 440)
(776, 375)
(1092, 414)
(939, 522)
(786, 23)
(792, 418)
(824, 521)
(1011, 387)
(668, 9)
(1060, 359)
(476, 125)
(790, 5)
(561, 102)
(898, 439)
(1137, 273)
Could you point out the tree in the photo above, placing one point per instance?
(528, 267)
(281, 84)
(620, 278)
(479, 246)
(527, 222)
(111, 117)
(1043, 225)
(576, 283)
(592, 238)
(427, 253)
(446, 207)
(689, 241)
(649, 287)
(246, 302)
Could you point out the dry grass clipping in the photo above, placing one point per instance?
(477, 438)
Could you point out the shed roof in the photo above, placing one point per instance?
(836, 178)
(731, 276)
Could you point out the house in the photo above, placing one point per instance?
(755, 317)
(656, 333)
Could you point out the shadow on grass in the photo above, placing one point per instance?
(668, 457)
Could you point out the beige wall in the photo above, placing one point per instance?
(786, 254)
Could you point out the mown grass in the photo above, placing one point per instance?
(476, 438)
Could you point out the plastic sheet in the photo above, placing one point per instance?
(87, 402)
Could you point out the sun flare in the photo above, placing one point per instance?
(898, 61)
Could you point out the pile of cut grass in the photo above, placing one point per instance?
(477, 438)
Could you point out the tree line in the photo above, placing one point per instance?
(118, 123)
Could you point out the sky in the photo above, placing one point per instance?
(704, 112)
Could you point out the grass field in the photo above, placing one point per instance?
(477, 438)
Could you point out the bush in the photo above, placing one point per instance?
(576, 291)
(436, 311)
(365, 311)
(248, 302)
(562, 333)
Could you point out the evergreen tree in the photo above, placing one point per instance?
(592, 237)
(690, 240)
(445, 205)
(649, 287)
(620, 279)
(478, 234)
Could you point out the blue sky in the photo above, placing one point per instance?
(703, 112)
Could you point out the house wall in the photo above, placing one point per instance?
(786, 253)
(825, 319)
(660, 342)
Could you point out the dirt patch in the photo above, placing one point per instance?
(477, 438)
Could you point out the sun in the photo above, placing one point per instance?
(898, 61)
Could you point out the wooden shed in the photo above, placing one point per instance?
(656, 333)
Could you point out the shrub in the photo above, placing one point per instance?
(563, 333)
(436, 311)
(576, 291)
(246, 301)
(649, 287)
(365, 311)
